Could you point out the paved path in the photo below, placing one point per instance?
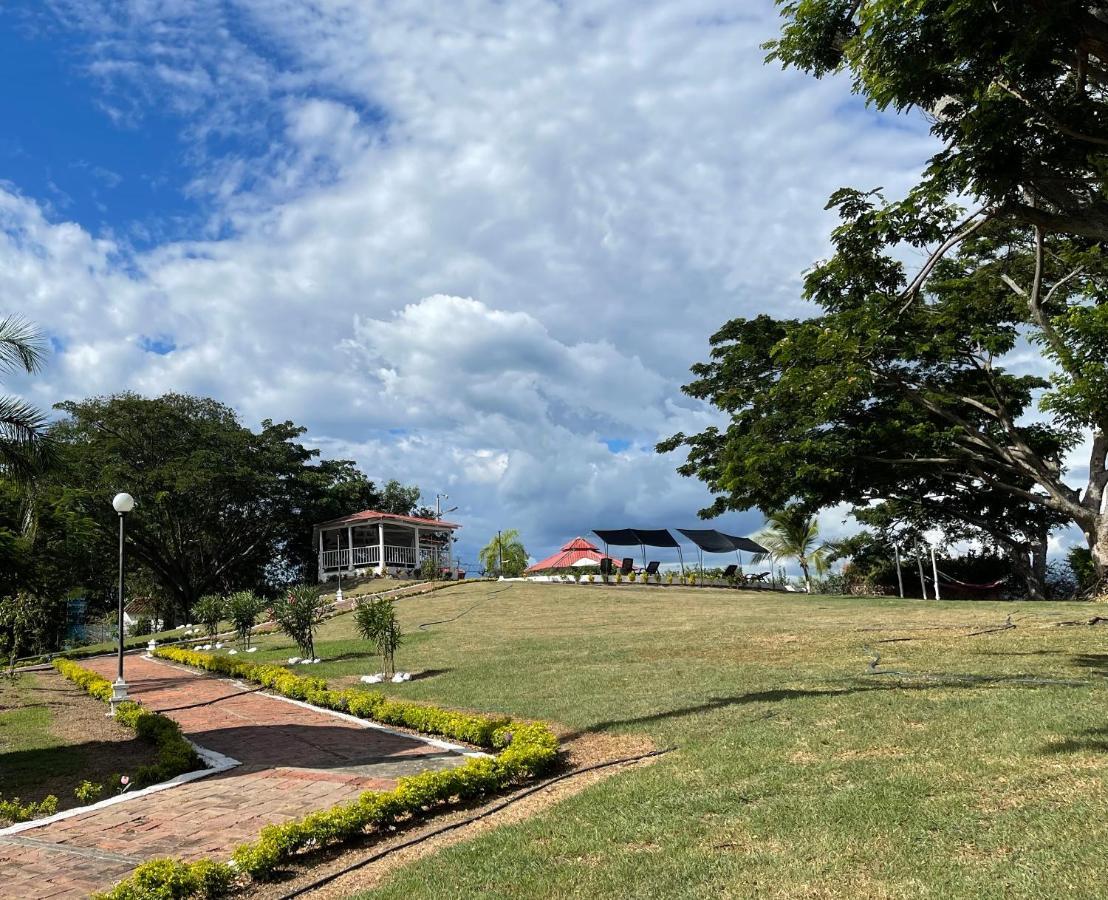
(293, 760)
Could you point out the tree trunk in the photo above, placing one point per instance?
(1098, 545)
(807, 578)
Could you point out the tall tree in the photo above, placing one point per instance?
(219, 507)
(23, 443)
(904, 373)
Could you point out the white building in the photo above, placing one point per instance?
(371, 541)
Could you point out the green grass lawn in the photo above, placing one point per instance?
(796, 774)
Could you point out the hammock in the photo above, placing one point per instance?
(991, 586)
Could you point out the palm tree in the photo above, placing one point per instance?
(792, 533)
(24, 448)
(504, 554)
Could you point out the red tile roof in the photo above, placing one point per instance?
(573, 552)
(368, 515)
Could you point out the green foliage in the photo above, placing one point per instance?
(504, 554)
(171, 879)
(209, 611)
(243, 498)
(398, 498)
(175, 753)
(793, 533)
(25, 450)
(375, 620)
(87, 792)
(142, 625)
(15, 811)
(28, 624)
(430, 570)
(243, 609)
(1080, 562)
(298, 612)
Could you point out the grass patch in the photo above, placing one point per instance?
(53, 737)
(797, 774)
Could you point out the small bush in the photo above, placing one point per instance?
(143, 625)
(209, 611)
(243, 609)
(87, 792)
(15, 811)
(171, 879)
(376, 622)
(298, 613)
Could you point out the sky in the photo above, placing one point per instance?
(471, 245)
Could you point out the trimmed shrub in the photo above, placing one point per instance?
(376, 622)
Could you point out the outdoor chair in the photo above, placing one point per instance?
(730, 571)
(606, 566)
(628, 566)
(759, 578)
(652, 567)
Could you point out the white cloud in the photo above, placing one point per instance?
(466, 243)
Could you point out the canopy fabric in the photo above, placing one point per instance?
(711, 541)
(628, 537)
(587, 561)
(742, 543)
(618, 537)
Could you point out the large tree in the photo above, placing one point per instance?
(903, 379)
(219, 506)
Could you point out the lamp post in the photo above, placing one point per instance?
(122, 504)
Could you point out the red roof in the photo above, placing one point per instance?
(367, 515)
(573, 552)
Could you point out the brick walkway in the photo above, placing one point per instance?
(293, 760)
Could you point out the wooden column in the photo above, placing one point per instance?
(350, 547)
(418, 561)
(381, 548)
(320, 554)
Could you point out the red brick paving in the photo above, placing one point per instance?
(293, 760)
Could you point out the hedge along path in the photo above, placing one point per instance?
(294, 760)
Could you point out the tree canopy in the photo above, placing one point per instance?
(504, 554)
(219, 507)
(908, 387)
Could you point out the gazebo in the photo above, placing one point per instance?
(377, 541)
(571, 554)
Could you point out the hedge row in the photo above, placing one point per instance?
(526, 749)
(175, 754)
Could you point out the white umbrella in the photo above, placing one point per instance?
(585, 561)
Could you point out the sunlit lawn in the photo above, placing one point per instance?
(796, 774)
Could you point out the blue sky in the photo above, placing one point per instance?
(472, 245)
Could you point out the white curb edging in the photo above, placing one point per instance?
(217, 763)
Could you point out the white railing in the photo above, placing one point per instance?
(364, 557)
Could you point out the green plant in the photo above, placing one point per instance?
(15, 811)
(142, 625)
(87, 792)
(375, 620)
(172, 879)
(25, 448)
(243, 609)
(298, 612)
(429, 569)
(209, 611)
(792, 533)
(504, 554)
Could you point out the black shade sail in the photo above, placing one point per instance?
(711, 541)
(742, 543)
(708, 539)
(628, 537)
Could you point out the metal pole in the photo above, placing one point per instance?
(935, 571)
(122, 516)
(922, 578)
(681, 558)
(500, 552)
(899, 574)
(642, 547)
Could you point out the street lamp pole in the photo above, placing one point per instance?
(123, 504)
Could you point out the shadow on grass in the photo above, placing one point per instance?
(1097, 662)
(1092, 739)
(866, 684)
